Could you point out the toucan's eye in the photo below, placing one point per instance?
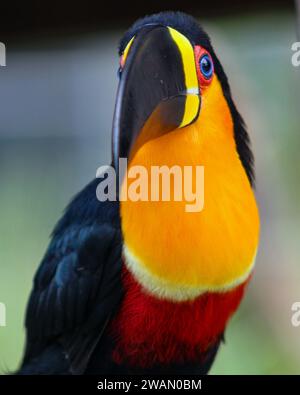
(206, 66)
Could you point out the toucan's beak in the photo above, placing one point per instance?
(158, 90)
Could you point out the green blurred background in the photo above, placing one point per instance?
(56, 103)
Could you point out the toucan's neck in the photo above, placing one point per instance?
(177, 254)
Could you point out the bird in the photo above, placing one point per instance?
(145, 287)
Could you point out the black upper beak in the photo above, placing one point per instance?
(151, 93)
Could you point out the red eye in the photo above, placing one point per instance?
(204, 65)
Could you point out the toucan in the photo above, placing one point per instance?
(132, 286)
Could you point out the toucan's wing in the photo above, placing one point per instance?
(78, 284)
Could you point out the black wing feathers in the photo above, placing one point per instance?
(78, 284)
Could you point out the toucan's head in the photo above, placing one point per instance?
(167, 67)
(174, 108)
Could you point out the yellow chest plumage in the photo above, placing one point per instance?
(178, 254)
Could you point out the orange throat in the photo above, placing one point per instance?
(178, 255)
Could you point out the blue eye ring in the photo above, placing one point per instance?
(206, 66)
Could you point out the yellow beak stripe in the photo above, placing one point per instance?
(192, 104)
(125, 53)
